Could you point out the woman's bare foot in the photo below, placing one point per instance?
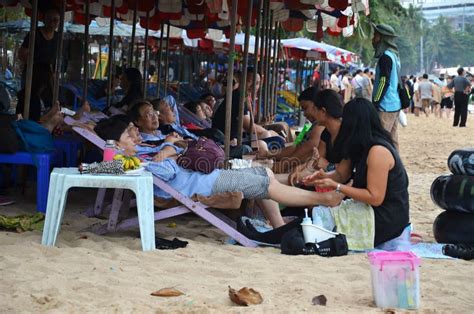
(86, 107)
(53, 121)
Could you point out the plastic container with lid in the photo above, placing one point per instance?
(395, 279)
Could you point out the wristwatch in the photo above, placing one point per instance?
(338, 188)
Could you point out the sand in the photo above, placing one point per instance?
(90, 273)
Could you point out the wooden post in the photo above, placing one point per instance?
(243, 81)
(267, 67)
(263, 56)
(86, 52)
(111, 51)
(160, 56)
(230, 76)
(276, 64)
(59, 49)
(255, 106)
(145, 61)
(167, 57)
(132, 40)
(31, 56)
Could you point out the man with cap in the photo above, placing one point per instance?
(385, 93)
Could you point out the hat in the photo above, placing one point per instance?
(385, 29)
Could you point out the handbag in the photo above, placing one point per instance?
(202, 155)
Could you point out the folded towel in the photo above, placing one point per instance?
(357, 221)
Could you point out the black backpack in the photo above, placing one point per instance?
(404, 94)
(292, 243)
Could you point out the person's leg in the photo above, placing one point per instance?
(463, 111)
(457, 108)
(271, 211)
(390, 123)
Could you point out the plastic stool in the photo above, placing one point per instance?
(42, 162)
(62, 179)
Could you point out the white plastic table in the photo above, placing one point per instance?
(62, 179)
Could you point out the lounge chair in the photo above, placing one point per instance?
(122, 202)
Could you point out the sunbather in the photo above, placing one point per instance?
(148, 121)
(254, 183)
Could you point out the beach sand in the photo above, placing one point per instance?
(91, 273)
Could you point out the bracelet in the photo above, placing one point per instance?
(338, 188)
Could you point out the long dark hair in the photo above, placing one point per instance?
(360, 129)
(134, 77)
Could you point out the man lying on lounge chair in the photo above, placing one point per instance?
(254, 183)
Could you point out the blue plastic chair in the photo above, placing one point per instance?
(42, 162)
(69, 146)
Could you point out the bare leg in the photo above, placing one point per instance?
(272, 212)
(86, 107)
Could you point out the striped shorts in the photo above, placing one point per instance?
(252, 182)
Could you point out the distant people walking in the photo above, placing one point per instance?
(424, 94)
(462, 89)
(385, 94)
(447, 100)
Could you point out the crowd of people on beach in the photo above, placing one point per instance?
(350, 151)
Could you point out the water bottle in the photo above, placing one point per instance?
(109, 150)
(303, 132)
(306, 220)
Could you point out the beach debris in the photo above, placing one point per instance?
(172, 225)
(83, 237)
(245, 296)
(167, 292)
(320, 300)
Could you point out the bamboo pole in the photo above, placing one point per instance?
(230, 76)
(267, 67)
(111, 50)
(276, 56)
(255, 105)
(243, 83)
(134, 28)
(263, 57)
(59, 49)
(86, 52)
(31, 56)
(159, 59)
(145, 61)
(167, 57)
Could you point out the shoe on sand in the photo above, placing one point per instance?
(464, 251)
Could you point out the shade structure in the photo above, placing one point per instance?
(304, 48)
(334, 17)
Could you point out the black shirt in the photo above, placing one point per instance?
(331, 156)
(45, 50)
(392, 216)
(218, 120)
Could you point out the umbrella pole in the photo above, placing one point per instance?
(86, 52)
(167, 57)
(263, 56)
(255, 106)
(59, 49)
(111, 42)
(31, 55)
(159, 59)
(134, 29)
(243, 83)
(276, 55)
(230, 76)
(145, 61)
(267, 66)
